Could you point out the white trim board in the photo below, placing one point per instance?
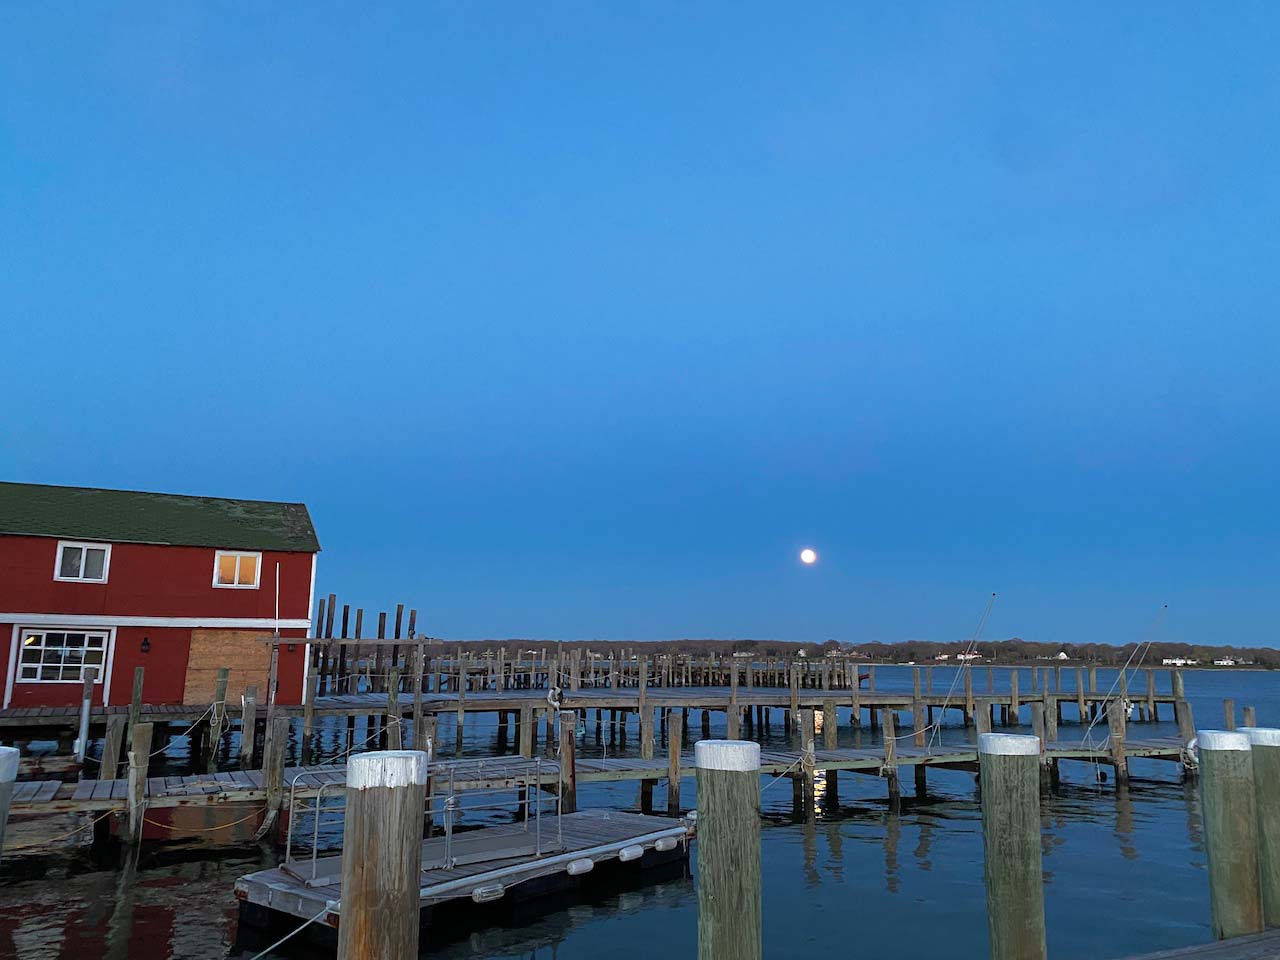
(94, 620)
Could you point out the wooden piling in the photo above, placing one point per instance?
(382, 855)
(527, 733)
(139, 761)
(273, 754)
(86, 709)
(831, 741)
(675, 737)
(806, 763)
(248, 722)
(1230, 833)
(1229, 712)
(394, 739)
(1186, 734)
(112, 744)
(135, 700)
(968, 694)
(1264, 748)
(1008, 765)
(1116, 731)
(983, 719)
(310, 692)
(889, 767)
(568, 770)
(734, 715)
(217, 719)
(419, 668)
(729, 888)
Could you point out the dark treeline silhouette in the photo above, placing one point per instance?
(1014, 650)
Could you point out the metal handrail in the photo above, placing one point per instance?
(525, 776)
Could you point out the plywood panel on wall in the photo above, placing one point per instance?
(245, 652)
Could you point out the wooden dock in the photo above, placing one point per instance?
(1260, 946)
(488, 863)
(249, 786)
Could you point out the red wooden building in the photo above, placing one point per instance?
(179, 585)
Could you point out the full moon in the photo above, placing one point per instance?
(808, 556)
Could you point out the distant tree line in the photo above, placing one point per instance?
(1013, 650)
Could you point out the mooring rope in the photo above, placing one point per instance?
(288, 936)
(65, 836)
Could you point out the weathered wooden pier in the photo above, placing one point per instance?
(396, 691)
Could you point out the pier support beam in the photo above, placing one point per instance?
(1230, 833)
(729, 896)
(382, 855)
(1009, 771)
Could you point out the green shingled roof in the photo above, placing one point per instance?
(127, 516)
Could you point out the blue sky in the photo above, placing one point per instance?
(579, 321)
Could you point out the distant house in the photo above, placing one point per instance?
(1179, 662)
(180, 585)
(968, 656)
(943, 656)
(1224, 662)
(1062, 655)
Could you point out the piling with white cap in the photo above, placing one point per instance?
(729, 900)
(1264, 744)
(382, 855)
(1230, 832)
(1009, 770)
(8, 774)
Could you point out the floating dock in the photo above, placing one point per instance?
(484, 865)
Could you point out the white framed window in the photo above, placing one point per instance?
(236, 569)
(82, 562)
(60, 656)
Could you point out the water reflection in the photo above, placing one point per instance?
(1124, 871)
(178, 903)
